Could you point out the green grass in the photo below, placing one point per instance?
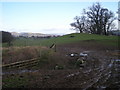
(107, 40)
(14, 82)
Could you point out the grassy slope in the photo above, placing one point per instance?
(108, 40)
(21, 80)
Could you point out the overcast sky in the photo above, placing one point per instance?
(44, 17)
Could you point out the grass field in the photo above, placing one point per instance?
(53, 67)
(106, 40)
(28, 48)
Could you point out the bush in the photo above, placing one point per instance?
(79, 63)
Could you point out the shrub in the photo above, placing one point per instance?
(79, 63)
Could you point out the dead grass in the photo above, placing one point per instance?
(14, 54)
(48, 59)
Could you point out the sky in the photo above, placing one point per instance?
(44, 17)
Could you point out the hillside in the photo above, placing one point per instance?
(25, 34)
(75, 37)
(70, 38)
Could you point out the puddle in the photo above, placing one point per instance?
(87, 51)
(83, 54)
(117, 60)
(110, 65)
(18, 72)
(73, 74)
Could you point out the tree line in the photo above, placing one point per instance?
(6, 37)
(95, 20)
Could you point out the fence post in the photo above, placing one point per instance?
(55, 48)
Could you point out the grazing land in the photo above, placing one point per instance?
(107, 40)
(63, 66)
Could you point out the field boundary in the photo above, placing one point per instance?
(21, 64)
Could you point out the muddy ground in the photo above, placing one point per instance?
(101, 69)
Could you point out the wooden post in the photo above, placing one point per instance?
(55, 48)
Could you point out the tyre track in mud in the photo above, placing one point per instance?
(99, 75)
(92, 78)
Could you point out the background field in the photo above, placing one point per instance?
(71, 38)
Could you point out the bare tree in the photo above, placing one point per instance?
(102, 18)
(79, 23)
(96, 19)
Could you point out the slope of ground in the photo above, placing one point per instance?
(70, 38)
(99, 70)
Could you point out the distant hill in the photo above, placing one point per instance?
(15, 34)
